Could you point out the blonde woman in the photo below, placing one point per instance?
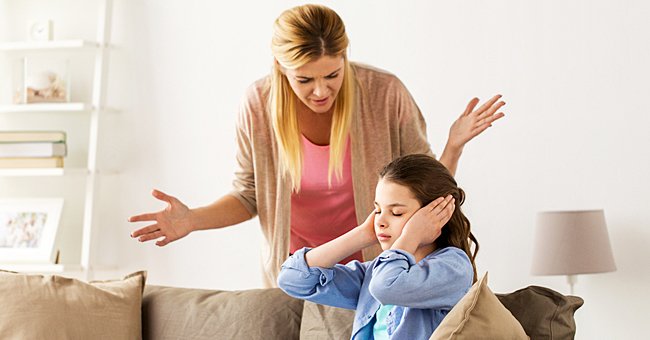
(311, 136)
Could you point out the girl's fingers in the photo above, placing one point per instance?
(446, 214)
(432, 206)
(441, 205)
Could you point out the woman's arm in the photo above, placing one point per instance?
(470, 124)
(177, 220)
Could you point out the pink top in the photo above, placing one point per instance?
(320, 213)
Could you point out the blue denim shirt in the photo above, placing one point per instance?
(423, 292)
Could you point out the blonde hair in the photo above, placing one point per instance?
(301, 35)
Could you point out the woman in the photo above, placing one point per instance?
(311, 134)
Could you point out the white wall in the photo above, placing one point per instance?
(574, 76)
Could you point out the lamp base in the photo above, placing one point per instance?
(572, 279)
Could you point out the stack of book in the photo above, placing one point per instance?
(32, 149)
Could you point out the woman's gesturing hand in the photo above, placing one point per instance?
(472, 122)
(426, 224)
(171, 223)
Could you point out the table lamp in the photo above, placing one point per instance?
(571, 243)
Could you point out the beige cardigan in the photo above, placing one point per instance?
(386, 124)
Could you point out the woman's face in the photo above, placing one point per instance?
(394, 206)
(318, 82)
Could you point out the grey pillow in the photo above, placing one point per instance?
(196, 314)
(543, 312)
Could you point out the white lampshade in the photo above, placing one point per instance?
(572, 242)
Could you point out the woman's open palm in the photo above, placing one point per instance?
(171, 223)
(472, 122)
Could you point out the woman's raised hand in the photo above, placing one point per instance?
(171, 223)
(472, 122)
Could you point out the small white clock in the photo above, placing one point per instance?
(40, 30)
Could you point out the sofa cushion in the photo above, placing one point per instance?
(193, 314)
(479, 315)
(543, 312)
(55, 307)
(325, 322)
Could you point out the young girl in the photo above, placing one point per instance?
(423, 271)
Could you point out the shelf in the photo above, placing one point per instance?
(18, 46)
(27, 172)
(45, 107)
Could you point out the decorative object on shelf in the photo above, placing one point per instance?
(571, 243)
(43, 80)
(39, 30)
(28, 229)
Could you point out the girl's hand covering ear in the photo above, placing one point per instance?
(426, 224)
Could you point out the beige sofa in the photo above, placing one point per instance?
(178, 313)
(54, 307)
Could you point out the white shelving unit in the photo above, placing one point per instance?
(24, 46)
(43, 107)
(96, 108)
(20, 172)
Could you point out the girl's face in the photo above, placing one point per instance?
(318, 82)
(394, 206)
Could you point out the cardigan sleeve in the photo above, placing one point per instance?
(244, 181)
(412, 126)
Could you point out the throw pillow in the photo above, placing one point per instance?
(543, 312)
(479, 315)
(197, 314)
(55, 307)
(325, 322)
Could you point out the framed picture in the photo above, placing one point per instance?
(28, 229)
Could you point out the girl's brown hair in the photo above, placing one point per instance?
(428, 179)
